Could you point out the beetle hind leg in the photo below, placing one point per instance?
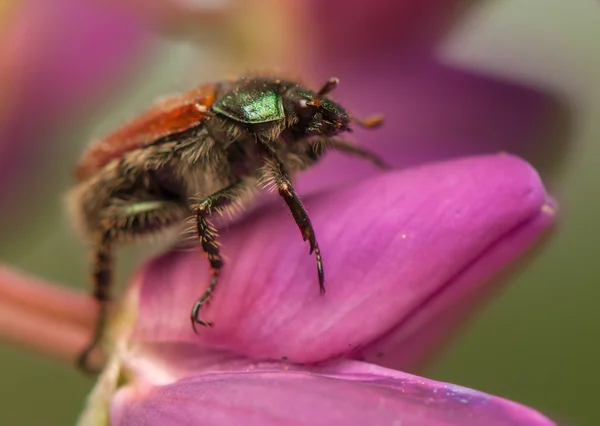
(101, 280)
(121, 220)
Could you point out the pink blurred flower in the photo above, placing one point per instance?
(386, 56)
(58, 55)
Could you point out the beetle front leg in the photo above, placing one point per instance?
(208, 234)
(276, 174)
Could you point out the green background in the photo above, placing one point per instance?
(538, 344)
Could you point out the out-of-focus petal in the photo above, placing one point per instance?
(349, 393)
(177, 16)
(383, 52)
(435, 112)
(395, 247)
(345, 28)
(57, 56)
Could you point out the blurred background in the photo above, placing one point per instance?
(453, 77)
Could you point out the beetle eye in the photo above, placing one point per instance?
(304, 108)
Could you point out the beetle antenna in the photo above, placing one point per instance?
(328, 86)
(371, 122)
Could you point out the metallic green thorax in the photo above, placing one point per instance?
(252, 105)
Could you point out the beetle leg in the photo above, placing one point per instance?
(352, 148)
(121, 220)
(276, 174)
(208, 235)
(102, 283)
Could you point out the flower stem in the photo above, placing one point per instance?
(43, 317)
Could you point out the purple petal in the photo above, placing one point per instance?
(340, 28)
(413, 342)
(398, 249)
(347, 393)
(382, 53)
(63, 54)
(435, 112)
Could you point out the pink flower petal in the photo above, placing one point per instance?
(59, 55)
(395, 247)
(347, 393)
(412, 344)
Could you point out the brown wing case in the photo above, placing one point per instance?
(168, 116)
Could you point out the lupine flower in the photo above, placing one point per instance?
(402, 269)
(409, 254)
(405, 252)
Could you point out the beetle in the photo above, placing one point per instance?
(200, 152)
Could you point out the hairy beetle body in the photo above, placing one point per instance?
(198, 153)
